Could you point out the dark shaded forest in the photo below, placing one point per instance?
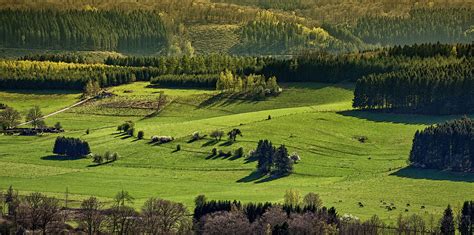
(447, 146)
(82, 30)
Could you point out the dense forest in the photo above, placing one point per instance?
(444, 89)
(83, 30)
(421, 26)
(447, 146)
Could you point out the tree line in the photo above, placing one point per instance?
(83, 30)
(52, 75)
(434, 89)
(37, 212)
(426, 50)
(199, 64)
(447, 146)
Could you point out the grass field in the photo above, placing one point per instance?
(314, 120)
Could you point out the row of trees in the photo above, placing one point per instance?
(52, 75)
(83, 30)
(433, 49)
(186, 80)
(448, 146)
(444, 89)
(200, 64)
(37, 212)
(72, 147)
(10, 118)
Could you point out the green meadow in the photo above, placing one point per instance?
(314, 120)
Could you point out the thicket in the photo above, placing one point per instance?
(447, 146)
(83, 30)
(444, 89)
(72, 147)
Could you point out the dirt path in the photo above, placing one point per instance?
(59, 111)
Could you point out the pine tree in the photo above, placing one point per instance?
(447, 222)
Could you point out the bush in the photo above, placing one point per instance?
(214, 152)
(58, 126)
(239, 152)
(161, 139)
(140, 135)
(131, 131)
(178, 147)
(126, 126)
(88, 131)
(217, 134)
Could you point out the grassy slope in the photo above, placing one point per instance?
(308, 118)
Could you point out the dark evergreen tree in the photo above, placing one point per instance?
(283, 165)
(447, 222)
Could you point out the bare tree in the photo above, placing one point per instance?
(37, 211)
(164, 217)
(91, 216)
(224, 222)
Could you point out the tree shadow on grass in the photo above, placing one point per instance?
(227, 143)
(223, 99)
(418, 173)
(384, 116)
(61, 158)
(211, 142)
(258, 178)
(100, 164)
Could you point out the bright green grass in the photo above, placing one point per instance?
(313, 120)
(48, 100)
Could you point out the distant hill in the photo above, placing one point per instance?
(256, 27)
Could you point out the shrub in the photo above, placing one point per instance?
(58, 126)
(295, 157)
(126, 126)
(239, 152)
(217, 134)
(195, 136)
(178, 147)
(214, 152)
(131, 131)
(161, 139)
(140, 135)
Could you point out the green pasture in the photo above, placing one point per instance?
(314, 120)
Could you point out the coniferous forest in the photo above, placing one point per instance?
(447, 146)
(82, 30)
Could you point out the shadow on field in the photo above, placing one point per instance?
(223, 99)
(258, 178)
(61, 158)
(417, 173)
(384, 116)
